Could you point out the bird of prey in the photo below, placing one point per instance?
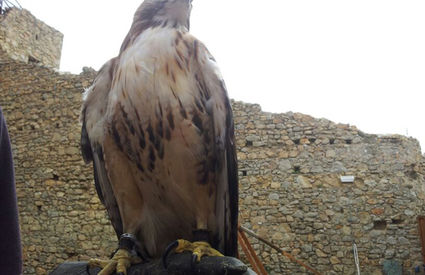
(157, 124)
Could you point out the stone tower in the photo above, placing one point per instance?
(25, 38)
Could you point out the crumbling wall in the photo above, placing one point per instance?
(291, 192)
(25, 38)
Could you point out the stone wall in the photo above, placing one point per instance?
(291, 192)
(60, 215)
(23, 37)
(290, 189)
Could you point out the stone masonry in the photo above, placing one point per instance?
(291, 192)
(60, 215)
(23, 37)
(290, 189)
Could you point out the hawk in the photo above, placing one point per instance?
(158, 126)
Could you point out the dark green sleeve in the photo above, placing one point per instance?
(10, 241)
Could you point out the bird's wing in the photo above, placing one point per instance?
(231, 194)
(92, 136)
(221, 112)
(232, 177)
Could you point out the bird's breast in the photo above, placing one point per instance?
(159, 105)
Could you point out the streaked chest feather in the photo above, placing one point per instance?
(159, 63)
(161, 109)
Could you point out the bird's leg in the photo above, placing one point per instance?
(199, 248)
(201, 235)
(122, 259)
(130, 204)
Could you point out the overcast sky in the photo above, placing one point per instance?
(360, 62)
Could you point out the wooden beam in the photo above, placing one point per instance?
(286, 254)
(421, 222)
(255, 262)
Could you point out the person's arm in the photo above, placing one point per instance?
(10, 240)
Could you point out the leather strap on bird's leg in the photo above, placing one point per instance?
(128, 241)
(201, 235)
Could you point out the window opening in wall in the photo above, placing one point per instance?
(397, 221)
(55, 177)
(33, 60)
(312, 140)
(296, 141)
(380, 225)
(332, 141)
(297, 169)
(348, 141)
(244, 173)
(412, 173)
(71, 253)
(248, 143)
(36, 37)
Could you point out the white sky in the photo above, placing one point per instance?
(360, 62)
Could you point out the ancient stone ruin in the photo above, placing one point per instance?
(25, 38)
(310, 186)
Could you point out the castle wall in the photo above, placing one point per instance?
(290, 190)
(25, 38)
(61, 217)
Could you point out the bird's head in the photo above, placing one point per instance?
(175, 13)
(158, 13)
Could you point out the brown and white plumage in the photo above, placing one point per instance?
(157, 123)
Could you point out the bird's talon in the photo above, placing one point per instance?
(194, 259)
(119, 263)
(198, 255)
(183, 245)
(168, 250)
(198, 249)
(204, 249)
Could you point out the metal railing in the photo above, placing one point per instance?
(8, 4)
